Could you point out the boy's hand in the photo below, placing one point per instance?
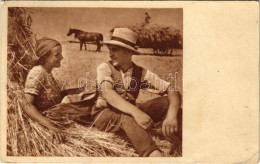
(143, 119)
(170, 125)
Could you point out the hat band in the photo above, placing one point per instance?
(123, 41)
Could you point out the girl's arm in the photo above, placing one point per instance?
(35, 115)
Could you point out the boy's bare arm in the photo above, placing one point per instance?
(170, 124)
(121, 104)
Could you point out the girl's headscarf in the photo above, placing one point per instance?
(43, 47)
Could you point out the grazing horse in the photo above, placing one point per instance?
(84, 37)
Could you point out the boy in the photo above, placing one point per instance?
(119, 81)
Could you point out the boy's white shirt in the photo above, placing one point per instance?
(159, 85)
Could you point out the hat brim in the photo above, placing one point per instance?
(117, 43)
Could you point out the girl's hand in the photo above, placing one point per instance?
(33, 113)
(57, 135)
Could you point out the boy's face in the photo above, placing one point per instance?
(119, 55)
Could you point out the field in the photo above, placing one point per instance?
(82, 65)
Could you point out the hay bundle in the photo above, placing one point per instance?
(162, 39)
(27, 138)
(21, 43)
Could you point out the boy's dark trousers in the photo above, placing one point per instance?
(112, 120)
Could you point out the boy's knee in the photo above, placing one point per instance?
(107, 120)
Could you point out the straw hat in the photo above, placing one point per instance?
(124, 37)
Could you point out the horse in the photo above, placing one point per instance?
(84, 37)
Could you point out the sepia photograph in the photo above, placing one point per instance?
(135, 81)
(94, 82)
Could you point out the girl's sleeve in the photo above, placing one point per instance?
(34, 81)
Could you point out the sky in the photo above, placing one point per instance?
(55, 22)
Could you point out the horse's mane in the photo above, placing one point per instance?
(76, 32)
(77, 29)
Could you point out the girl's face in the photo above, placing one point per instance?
(55, 57)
